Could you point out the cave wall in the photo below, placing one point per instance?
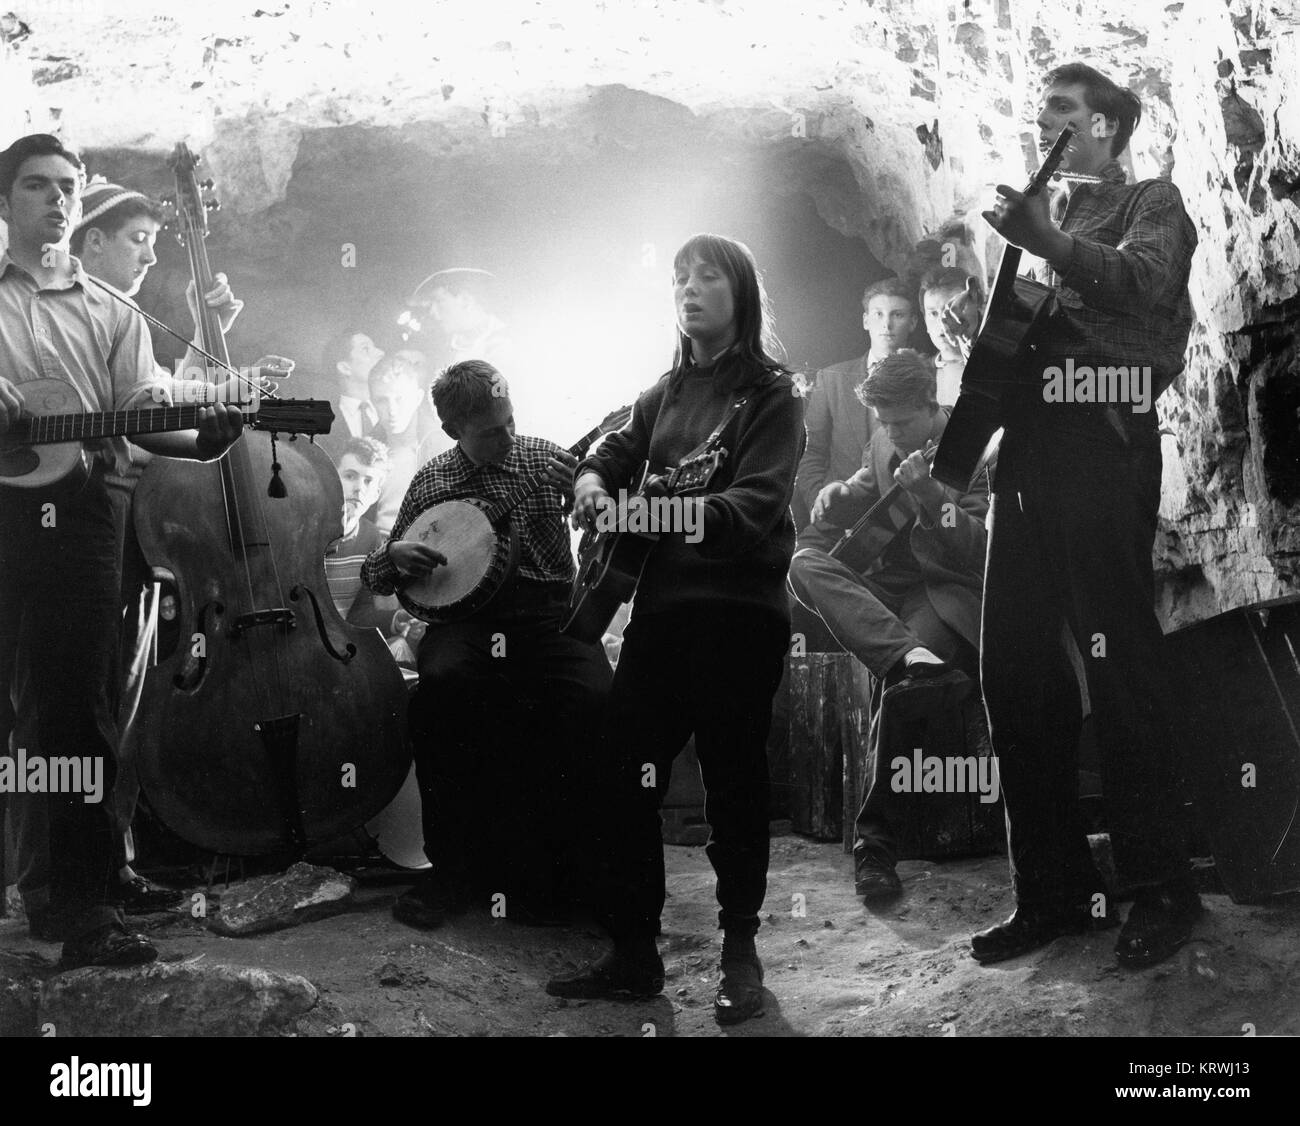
(926, 103)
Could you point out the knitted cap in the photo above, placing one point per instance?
(101, 196)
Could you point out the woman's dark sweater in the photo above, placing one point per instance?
(747, 534)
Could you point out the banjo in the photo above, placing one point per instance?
(480, 543)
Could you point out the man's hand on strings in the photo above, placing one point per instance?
(219, 427)
(1026, 221)
(560, 467)
(589, 499)
(11, 404)
(913, 475)
(220, 299)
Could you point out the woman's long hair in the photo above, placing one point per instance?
(756, 341)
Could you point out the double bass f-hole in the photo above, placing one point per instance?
(197, 665)
(349, 650)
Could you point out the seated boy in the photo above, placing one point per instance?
(505, 701)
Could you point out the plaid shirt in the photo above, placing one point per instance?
(544, 552)
(1123, 296)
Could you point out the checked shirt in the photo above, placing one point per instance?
(1123, 295)
(544, 555)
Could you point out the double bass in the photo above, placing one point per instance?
(274, 725)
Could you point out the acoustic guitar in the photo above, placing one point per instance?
(1003, 352)
(865, 541)
(45, 445)
(480, 543)
(610, 563)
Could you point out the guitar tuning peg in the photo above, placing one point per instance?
(208, 184)
(169, 200)
(213, 205)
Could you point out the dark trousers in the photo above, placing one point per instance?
(878, 618)
(503, 723)
(1071, 532)
(711, 673)
(59, 590)
(134, 656)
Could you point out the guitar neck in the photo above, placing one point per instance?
(50, 428)
(883, 505)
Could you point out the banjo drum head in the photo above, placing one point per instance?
(465, 536)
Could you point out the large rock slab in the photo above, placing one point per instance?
(174, 999)
(298, 895)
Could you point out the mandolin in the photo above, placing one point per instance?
(45, 445)
(1003, 351)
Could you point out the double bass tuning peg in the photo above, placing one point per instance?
(208, 184)
(212, 204)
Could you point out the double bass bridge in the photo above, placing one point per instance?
(274, 616)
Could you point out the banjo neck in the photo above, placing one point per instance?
(507, 504)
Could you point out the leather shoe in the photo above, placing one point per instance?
(1027, 929)
(139, 896)
(112, 945)
(927, 688)
(740, 995)
(876, 880)
(630, 972)
(1159, 922)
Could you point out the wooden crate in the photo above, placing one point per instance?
(946, 825)
(829, 712)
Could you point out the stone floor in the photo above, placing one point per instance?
(833, 969)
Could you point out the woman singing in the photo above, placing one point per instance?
(704, 649)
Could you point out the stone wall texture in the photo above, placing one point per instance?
(929, 102)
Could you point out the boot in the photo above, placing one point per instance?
(740, 996)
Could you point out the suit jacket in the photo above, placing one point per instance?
(951, 558)
(839, 427)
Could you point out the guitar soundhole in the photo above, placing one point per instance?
(19, 462)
